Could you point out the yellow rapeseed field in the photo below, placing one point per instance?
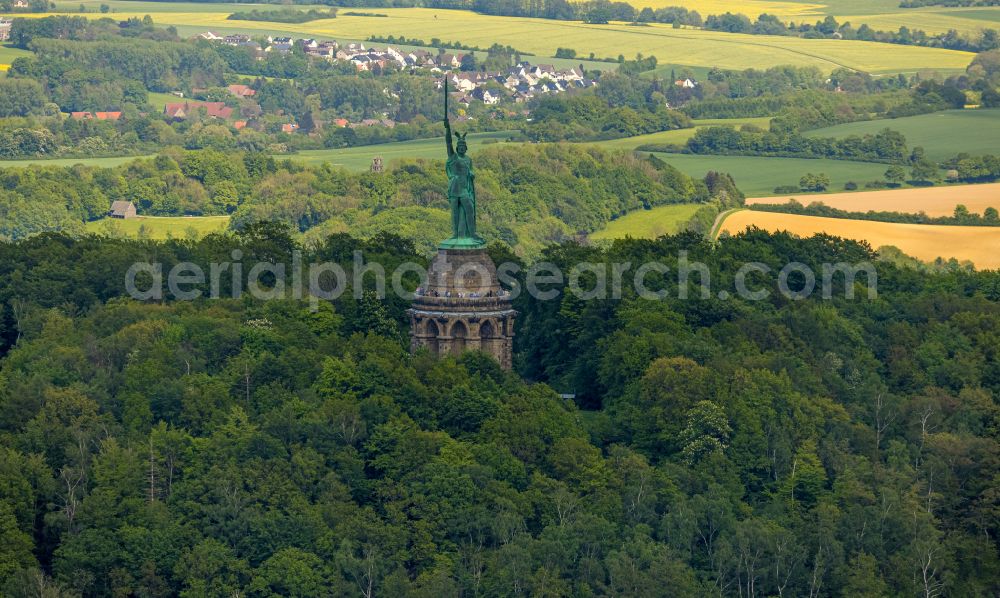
(542, 37)
(978, 244)
(933, 201)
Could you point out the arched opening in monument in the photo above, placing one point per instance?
(487, 332)
(431, 328)
(459, 334)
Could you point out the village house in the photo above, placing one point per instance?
(20, 4)
(181, 111)
(5, 26)
(686, 83)
(122, 209)
(463, 81)
(280, 45)
(236, 39)
(210, 36)
(241, 91)
(450, 60)
(326, 49)
(485, 96)
(95, 115)
(421, 58)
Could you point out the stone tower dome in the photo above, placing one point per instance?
(463, 308)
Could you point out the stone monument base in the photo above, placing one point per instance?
(462, 307)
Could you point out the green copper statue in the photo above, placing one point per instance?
(461, 189)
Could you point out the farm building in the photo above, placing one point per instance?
(241, 91)
(182, 110)
(122, 209)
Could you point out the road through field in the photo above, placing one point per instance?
(933, 201)
(978, 244)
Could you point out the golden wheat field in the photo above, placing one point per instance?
(978, 244)
(933, 201)
(751, 8)
(878, 14)
(542, 37)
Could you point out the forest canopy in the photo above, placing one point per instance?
(226, 446)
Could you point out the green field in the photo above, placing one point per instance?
(678, 136)
(360, 158)
(988, 15)
(757, 177)
(8, 54)
(941, 134)
(648, 224)
(160, 227)
(159, 100)
(692, 47)
(102, 162)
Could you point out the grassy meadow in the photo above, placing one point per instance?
(8, 54)
(978, 244)
(758, 177)
(933, 201)
(160, 227)
(941, 134)
(678, 136)
(159, 100)
(101, 162)
(648, 224)
(691, 47)
(360, 158)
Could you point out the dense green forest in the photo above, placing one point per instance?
(530, 195)
(834, 448)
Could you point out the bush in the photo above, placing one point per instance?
(783, 189)
(876, 185)
(850, 186)
(814, 182)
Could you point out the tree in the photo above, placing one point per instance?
(895, 175)
(863, 579)
(814, 182)
(21, 97)
(925, 171)
(707, 431)
(990, 98)
(468, 62)
(15, 550)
